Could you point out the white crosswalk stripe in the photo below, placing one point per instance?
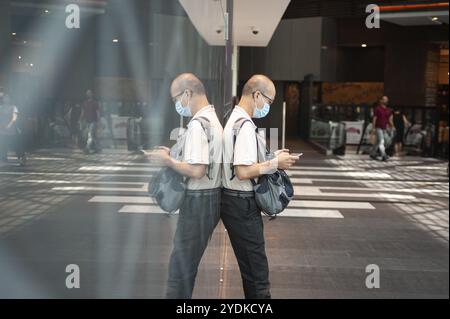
(293, 203)
(113, 168)
(316, 191)
(101, 189)
(122, 199)
(289, 212)
(139, 209)
(43, 181)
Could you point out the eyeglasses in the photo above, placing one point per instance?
(175, 98)
(269, 100)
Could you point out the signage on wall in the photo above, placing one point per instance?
(354, 131)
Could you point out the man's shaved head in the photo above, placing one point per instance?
(260, 83)
(187, 81)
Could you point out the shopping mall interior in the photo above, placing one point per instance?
(330, 60)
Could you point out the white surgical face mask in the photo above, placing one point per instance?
(183, 111)
(260, 113)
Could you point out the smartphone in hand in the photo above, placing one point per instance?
(298, 155)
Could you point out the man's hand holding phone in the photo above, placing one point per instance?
(285, 159)
(159, 156)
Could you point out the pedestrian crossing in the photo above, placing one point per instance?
(326, 191)
(350, 198)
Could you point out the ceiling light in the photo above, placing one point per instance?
(47, 11)
(13, 34)
(115, 40)
(434, 19)
(20, 57)
(31, 64)
(364, 45)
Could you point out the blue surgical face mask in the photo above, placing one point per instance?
(260, 113)
(183, 111)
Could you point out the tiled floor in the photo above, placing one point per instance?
(349, 212)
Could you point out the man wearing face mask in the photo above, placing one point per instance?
(201, 164)
(239, 211)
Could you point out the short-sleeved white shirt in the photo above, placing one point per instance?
(6, 114)
(245, 150)
(196, 149)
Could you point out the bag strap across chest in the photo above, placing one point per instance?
(237, 126)
(177, 149)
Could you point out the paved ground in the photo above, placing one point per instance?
(349, 212)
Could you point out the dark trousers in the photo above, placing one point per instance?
(8, 142)
(198, 217)
(242, 219)
(92, 141)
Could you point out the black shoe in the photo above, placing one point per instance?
(385, 158)
(373, 157)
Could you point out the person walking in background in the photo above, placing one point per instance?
(134, 129)
(400, 123)
(90, 117)
(74, 118)
(10, 132)
(382, 119)
(106, 110)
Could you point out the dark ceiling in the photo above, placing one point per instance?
(296, 8)
(34, 7)
(339, 8)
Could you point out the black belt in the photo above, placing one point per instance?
(235, 193)
(203, 192)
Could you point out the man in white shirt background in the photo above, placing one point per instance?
(9, 131)
(201, 164)
(239, 211)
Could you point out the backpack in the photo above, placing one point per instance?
(274, 191)
(167, 187)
